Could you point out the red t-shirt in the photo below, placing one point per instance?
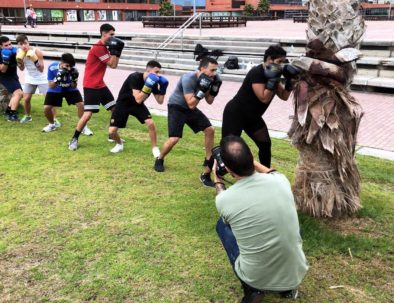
(95, 66)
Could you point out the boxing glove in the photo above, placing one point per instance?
(115, 46)
(74, 74)
(290, 72)
(272, 72)
(31, 55)
(150, 81)
(163, 82)
(6, 55)
(61, 78)
(14, 50)
(20, 55)
(217, 82)
(203, 85)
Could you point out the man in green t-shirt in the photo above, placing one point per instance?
(258, 225)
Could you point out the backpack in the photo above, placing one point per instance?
(231, 63)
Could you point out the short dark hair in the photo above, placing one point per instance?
(205, 62)
(21, 38)
(153, 63)
(237, 155)
(68, 58)
(275, 52)
(4, 39)
(106, 27)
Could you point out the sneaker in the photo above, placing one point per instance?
(290, 294)
(112, 140)
(156, 152)
(12, 118)
(86, 131)
(73, 145)
(159, 165)
(57, 123)
(26, 119)
(49, 128)
(117, 148)
(255, 297)
(205, 178)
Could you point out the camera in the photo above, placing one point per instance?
(221, 170)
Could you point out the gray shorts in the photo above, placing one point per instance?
(31, 88)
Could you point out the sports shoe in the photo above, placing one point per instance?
(159, 165)
(57, 122)
(49, 128)
(86, 131)
(12, 118)
(73, 145)
(290, 294)
(205, 178)
(26, 119)
(156, 152)
(112, 140)
(255, 297)
(117, 148)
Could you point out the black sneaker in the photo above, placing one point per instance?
(289, 294)
(255, 297)
(12, 118)
(205, 178)
(159, 165)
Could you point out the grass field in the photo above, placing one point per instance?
(90, 226)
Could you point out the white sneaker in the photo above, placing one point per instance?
(156, 152)
(49, 128)
(57, 123)
(112, 140)
(86, 131)
(117, 148)
(73, 145)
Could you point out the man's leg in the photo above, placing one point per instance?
(48, 112)
(262, 139)
(27, 103)
(12, 113)
(209, 135)
(167, 147)
(153, 136)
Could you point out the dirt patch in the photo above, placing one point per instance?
(353, 226)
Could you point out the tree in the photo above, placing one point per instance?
(248, 10)
(166, 8)
(263, 7)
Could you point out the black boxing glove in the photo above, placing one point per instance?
(272, 72)
(203, 85)
(216, 83)
(115, 46)
(74, 74)
(290, 72)
(62, 78)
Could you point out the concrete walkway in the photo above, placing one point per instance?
(376, 134)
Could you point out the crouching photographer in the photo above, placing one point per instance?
(258, 223)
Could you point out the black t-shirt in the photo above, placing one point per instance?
(246, 97)
(11, 70)
(133, 81)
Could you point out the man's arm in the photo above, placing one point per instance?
(159, 98)
(40, 56)
(3, 67)
(209, 98)
(113, 62)
(140, 96)
(219, 182)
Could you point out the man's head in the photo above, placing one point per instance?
(23, 42)
(274, 54)
(152, 66)
(5, 42)
(208, 66)
(106, 31)
(236, 155)
(67, 61)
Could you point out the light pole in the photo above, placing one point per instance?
(390, 10)
(194, 7)
(24, 6)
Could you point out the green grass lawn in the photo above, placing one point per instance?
(92, 226)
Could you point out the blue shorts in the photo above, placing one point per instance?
(11, 84)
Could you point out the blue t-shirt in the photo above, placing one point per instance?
(52, 71)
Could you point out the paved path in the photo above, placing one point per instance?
(376, 129)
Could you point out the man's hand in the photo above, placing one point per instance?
(163, 83)
(219, 182)
(217, 82)
(272, 72)
(115, 46)
(203, 85)
(290, 72)
(150, 81)
(31, 55)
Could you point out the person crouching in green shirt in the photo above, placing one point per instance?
(258, 225)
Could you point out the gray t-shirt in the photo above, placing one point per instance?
(261, 212)
(186, 85)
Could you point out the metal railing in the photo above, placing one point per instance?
(179, 31)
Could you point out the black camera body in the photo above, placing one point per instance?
(221, 170)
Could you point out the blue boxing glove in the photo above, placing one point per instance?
(14, 50)
(6, 54)
(150, 81)
(163, 82)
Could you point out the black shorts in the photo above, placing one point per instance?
(56, 99)
(236, 120)
(179, 116)
(11, 83)
(124, 109)
(95, 97)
